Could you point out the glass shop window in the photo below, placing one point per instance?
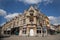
(24, 30)
(38, 30)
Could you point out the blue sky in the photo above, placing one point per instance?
(9, 9)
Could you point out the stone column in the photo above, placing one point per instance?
(46, 32)
(42, 32)
(27, 32)
(20, 32)
(2, 32)
(35, 33)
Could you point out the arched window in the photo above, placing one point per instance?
(31, 11)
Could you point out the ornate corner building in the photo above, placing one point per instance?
(31, 23)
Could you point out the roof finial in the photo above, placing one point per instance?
(35, 6)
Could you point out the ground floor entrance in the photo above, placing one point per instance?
(31, 32)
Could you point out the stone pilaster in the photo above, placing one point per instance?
(27, 32)
(20, 32)
(35, 33)
(41, 31)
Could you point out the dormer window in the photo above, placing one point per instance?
(31, 12)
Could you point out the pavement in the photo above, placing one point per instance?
(50, 37)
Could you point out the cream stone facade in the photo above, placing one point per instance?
(31, 23)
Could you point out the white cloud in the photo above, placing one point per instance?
(47, 1)
(2, 12)
(36, 1)
(10, 16)
(54, 20)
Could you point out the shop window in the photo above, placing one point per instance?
(38, 30)
(24, 30)
(5, 32)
